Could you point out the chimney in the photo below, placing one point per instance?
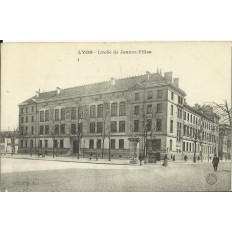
(112, 81)
(148, 75)
(176, 82)
(58, 90)
(37, 93)
(168, 76)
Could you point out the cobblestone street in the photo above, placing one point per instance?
(43, 175)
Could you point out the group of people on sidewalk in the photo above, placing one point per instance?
(215, 161)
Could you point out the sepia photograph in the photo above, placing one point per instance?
(116, 117)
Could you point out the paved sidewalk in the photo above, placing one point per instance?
(94, 161)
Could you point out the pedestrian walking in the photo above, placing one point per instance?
(165, 164)
(185, 158)
(198, 158)
(174, 158)
(215, 162)
(140, 158)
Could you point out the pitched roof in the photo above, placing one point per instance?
(123, 84)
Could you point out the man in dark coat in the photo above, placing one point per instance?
(215, 162)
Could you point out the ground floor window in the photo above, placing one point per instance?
(112, 144)
(46, 143)
(21, 143)
(40, 143)
(121, 143)
(91, 143)
(25, 143)
(55, 143)
(99, 143)
(31, 143)
(61, 143)
(170, 145)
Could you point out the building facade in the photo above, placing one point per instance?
(224, 150)
(99, 118)
(8, 143)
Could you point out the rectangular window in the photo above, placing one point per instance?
(41, 143)
(159, 94)
(26, 109)
(159, 124)
(188, 117)
(61, 143)
(172, 96)
(99, 127)
(57, 129)
(159, 108)
(80, 127)
(122, 126)
(31, 143)
(183, 146)
(32, 109)
(21, 143)
(22, 110)
(57, 115)
(121, 143)
(80, 112)
(149, 124)
(91, 143)
(156, 144)
(113, 126)
(47, 115)
(172, 110)
(149, 109)
(150, 95)
(170, 145)
(171, 126)
(27, 119)
(55, 143)
(32, 130)
(136, 96)
(92, 127)
(47, 129)
(136, 112)
(21, 131)
(136, 125)
(62, 114)
(100, 111)
(32, 118)
(191, 118)
(41, 116)
(62, 128)
(41, 128)
(22, 119)
(112, 143)
(98, 143)
(73, 113)
(73, 128)
(184, 115)
(122, 108)
(46, 143)
(113, 109)
(92, 111)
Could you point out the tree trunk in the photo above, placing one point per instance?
(103, 140)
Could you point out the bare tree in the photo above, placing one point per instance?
(223, 110)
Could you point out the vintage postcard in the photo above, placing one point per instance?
(115, 117)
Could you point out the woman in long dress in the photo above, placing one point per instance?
(165, 164)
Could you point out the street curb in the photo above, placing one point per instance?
(67, 161)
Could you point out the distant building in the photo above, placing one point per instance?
(8, 143)
(100, 117)
(224, 150)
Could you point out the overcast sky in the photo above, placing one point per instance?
(204, 69)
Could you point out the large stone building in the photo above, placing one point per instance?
(224, 149)
(99, 118)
